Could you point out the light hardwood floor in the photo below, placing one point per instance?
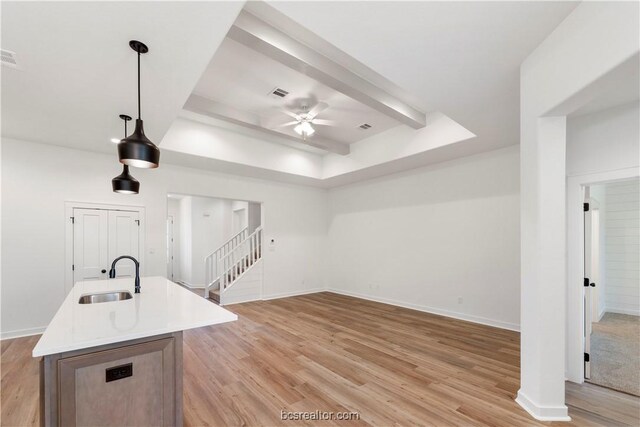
(333, 353)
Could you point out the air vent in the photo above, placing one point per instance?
(9, 58)
(279, 93)
(365, 126)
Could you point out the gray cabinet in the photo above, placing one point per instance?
(133, 383)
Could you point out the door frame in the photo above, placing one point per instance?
(170, 248)
(591, 262)
(69, 206)
(574, 362)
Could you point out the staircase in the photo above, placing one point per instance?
(227, 264)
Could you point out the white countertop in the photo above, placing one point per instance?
(161, 307)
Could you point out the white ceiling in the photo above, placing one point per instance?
(460, 58)
(78, 73)
(241, 78)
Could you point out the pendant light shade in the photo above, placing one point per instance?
(136, 149)
(125, 183)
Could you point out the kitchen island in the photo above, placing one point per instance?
(113, 357)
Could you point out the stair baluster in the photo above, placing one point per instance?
(235, 257)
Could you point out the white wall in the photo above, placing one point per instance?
(427, 237)
(210, 228)
(254, 216)
(622, 246)
(603, 141)
(206, 218)
(37, 179)
(239, 216)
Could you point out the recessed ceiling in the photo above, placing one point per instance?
(243, 79)
(461, 58)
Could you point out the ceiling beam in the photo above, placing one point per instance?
(262, 37)
(201, 105)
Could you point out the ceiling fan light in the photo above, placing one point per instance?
(125, 183)
(137, 150)
(304, 129)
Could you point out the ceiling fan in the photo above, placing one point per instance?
(303, 121)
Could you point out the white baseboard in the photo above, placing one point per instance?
(293, 294)
(622, 311)
(240, 301)
(22, 333)
(543, 413)
(432, 310)
(189, 285)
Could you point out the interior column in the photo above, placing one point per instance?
(543, 269)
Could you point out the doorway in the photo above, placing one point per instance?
(199, 226)
(612, 285)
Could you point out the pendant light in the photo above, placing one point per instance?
(125, 183)
(136, 149)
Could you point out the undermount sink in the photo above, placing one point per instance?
(105, 297)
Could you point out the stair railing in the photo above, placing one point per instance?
(211, 260)
(236, 262)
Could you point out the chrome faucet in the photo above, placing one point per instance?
(112, 272)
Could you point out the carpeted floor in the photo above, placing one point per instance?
(615, 353)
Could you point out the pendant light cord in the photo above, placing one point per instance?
(139, 86)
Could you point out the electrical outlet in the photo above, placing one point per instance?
(460, 300)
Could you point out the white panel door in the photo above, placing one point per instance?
(90, 247)
(124, 230)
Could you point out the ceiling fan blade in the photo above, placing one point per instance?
(295, 122)
(317, 109)
(290, 114)
(322, 122)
